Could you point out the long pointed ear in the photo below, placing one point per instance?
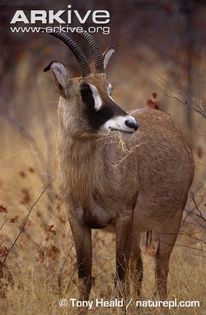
(61, 76)
(107, 55)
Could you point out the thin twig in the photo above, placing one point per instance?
(191, 247)
(200, 215)
(1, 227)
(191, 235)
(181, 97)
(25, 222)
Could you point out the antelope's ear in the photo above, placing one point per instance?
(61, 76)
(107, 55)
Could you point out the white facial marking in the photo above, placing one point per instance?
(96, 97)
(118, 123)
(109, 89)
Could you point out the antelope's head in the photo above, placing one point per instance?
(86, 105)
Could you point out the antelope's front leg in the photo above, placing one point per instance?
(123, 228)
(83, 245)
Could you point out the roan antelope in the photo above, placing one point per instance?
(131, 173)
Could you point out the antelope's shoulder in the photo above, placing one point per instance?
(160, 125)
(148, 117)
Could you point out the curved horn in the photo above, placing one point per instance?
(79, 55)
(94, 47)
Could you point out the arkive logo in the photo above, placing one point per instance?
(63, 18)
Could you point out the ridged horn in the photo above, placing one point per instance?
(95, 50)
(79, 55)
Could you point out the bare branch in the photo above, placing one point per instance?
(25, 222)
(191, 235)
(1, 227)
(179, 96)
(200, 215)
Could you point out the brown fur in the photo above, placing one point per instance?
(134, 183)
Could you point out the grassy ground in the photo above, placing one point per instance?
(38, 285)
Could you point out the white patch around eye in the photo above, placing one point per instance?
(109, 90)
(96, 97)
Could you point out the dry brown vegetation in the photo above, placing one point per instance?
(41, 266)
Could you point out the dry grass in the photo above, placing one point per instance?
(36, 288)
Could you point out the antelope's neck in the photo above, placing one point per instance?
(80, 166)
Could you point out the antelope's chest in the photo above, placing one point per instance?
(93, 213)
(100, 210)
(100, 193)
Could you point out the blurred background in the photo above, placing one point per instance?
(160, 58)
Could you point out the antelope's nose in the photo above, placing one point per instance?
(132, 123)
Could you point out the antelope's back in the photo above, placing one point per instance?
(165, 161)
